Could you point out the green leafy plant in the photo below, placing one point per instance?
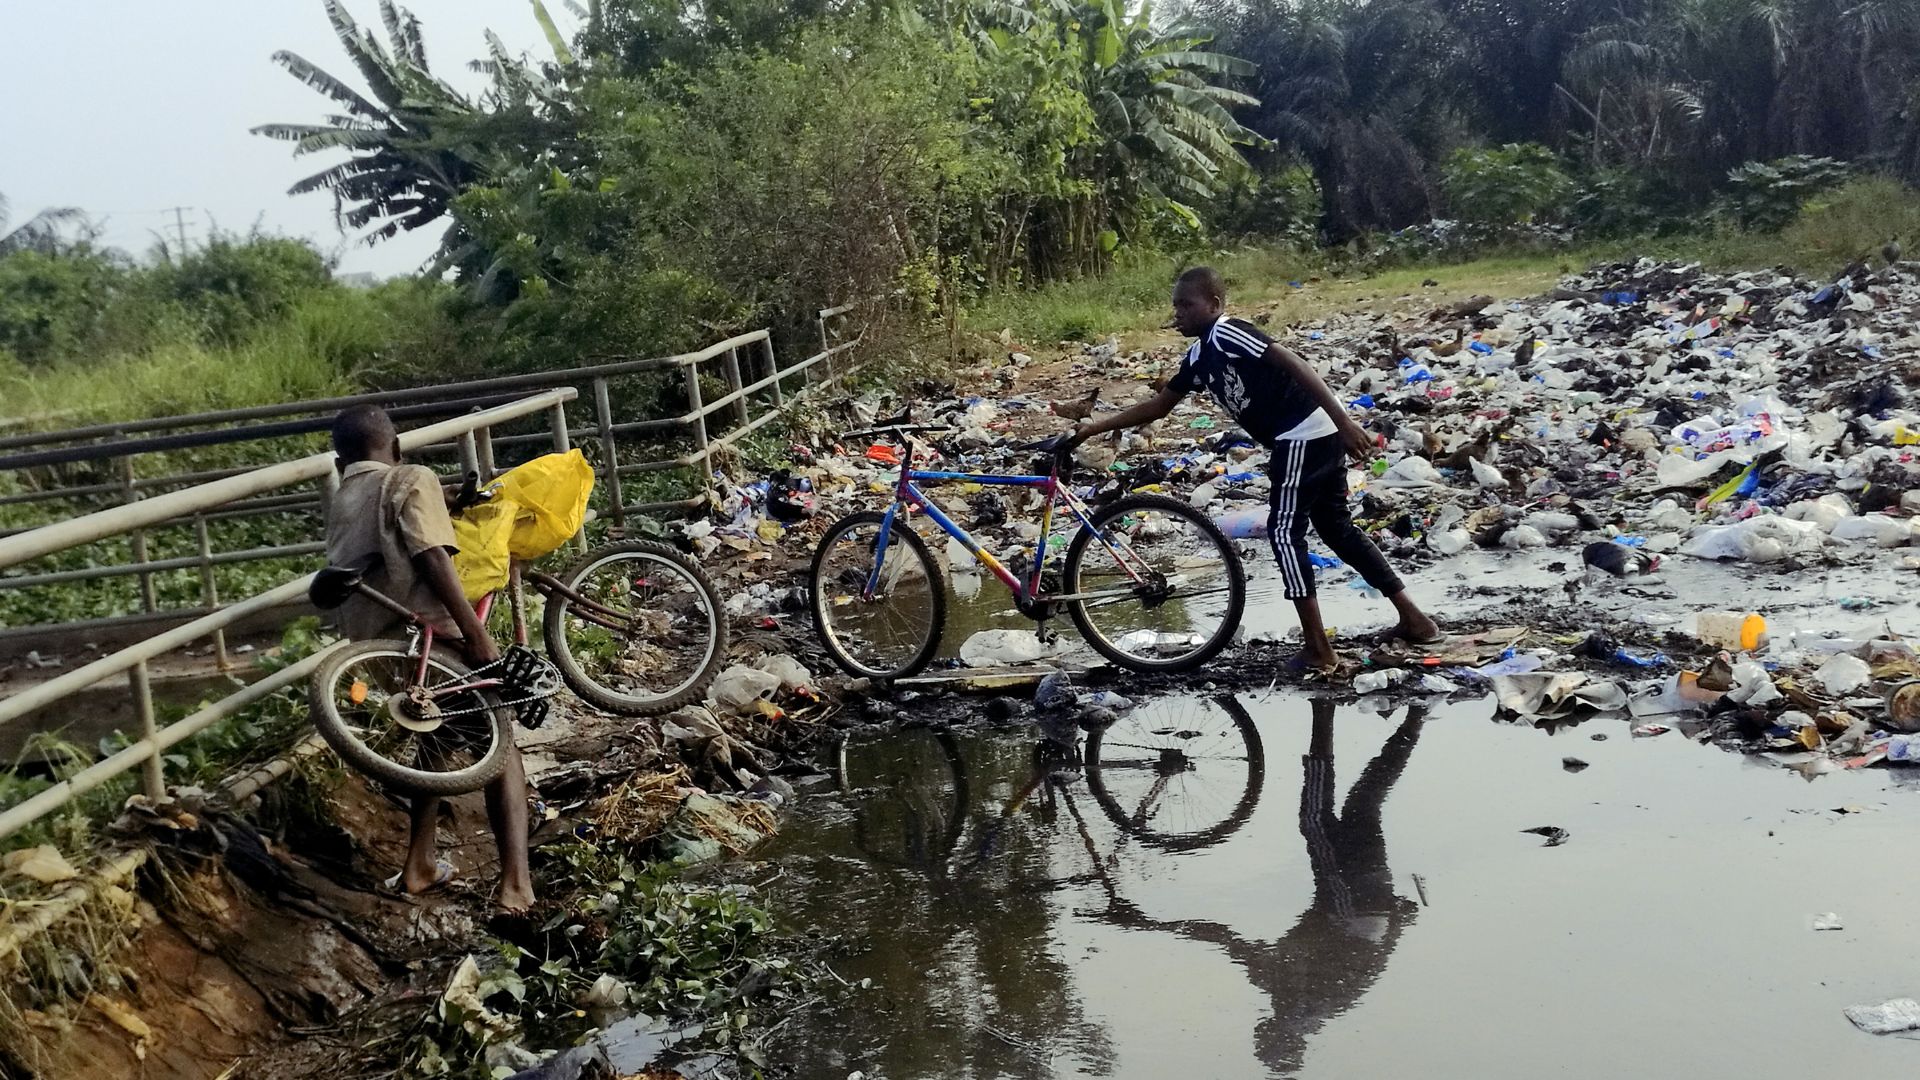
(1515, 184)
(1766, 196)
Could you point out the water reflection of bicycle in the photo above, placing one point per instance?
(1333, 954)
(1178, 774)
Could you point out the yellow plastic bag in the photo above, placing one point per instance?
(551, 493)
(484, 535)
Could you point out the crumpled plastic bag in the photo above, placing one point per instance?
(1768, 538)
(1842, 674)
(552, 493)
(738, 687)
(1549, 695)
(1412, 472)
(1900, 1014)
(994, 648)
(484, 535)
(43, 864)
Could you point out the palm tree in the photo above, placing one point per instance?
(416, 143)
(1158, 131)
(41, 232)
(1363, 92)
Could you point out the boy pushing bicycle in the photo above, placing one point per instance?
(390, 522)
(1272, 393)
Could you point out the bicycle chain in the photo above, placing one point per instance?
(532, 696)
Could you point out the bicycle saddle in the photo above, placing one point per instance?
(333, 586)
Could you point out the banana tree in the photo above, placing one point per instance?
(414, 142)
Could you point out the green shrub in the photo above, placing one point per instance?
(54, 305)
(232, 285)
(1766, 196)
(1515, 184)
(1282, 204)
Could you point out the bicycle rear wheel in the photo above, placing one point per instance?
(1179, 774)
(893, 632)
(1163, 590)
(418, 738)
(650, 637)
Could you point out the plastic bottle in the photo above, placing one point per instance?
(1368, 682)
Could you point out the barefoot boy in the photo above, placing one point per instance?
(390, 521)
(1277, 398)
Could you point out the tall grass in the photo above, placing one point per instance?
(329, 343)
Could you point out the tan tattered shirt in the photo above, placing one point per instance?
(377, 524)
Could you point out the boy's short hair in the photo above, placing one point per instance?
(360, 430)
(1206, 279)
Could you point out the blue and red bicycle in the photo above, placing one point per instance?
(1151, 583)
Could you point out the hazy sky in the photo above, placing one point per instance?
(124, 108)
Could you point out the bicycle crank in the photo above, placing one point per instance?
(415, 710)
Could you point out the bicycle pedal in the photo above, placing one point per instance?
(531, 714)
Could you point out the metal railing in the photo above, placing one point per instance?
(758, 389)
(147, 752)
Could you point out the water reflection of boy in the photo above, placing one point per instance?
(1332, 956)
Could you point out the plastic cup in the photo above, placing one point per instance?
(1741, 630)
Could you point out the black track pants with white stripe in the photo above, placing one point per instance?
(1310, 487)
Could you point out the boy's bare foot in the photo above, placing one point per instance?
(1420, 631)
(515, 900)
(1322, 660)
(415, 880)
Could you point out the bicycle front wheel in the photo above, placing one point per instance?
(1180, 774)
(647, 633)
(1154, 585)
(879, 614)
(420, 738)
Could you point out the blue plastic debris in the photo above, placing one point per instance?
(1824, 295)
(1697, 395)
(1631, 541)
(1324, 562)
(1406, 361)
(1480, 347)
(1622, 656)
(1420, 375)
(1622, 296)
(1316, 336)
(1364, 401)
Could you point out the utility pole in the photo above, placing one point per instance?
(179, 225)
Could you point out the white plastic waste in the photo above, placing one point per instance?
(1412, 472)
(1887, 1018)
(1887, 532)
(1842, 674)
(995, 648)
(1368, 682)
(1522, 536)
(1450, 542)
(1767, 538)
(1753, 686)
(793, 675)
(739, 686)
(1485, 475)
(959, 559)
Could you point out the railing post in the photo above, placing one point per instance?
(488, 470)
(152, 781)
(699, 410)
(562, 442)
(469, 456)
(773, 372)
(731, 368)
(209, 588)
(137, 539)
(609, 453)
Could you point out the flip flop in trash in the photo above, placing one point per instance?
(442, 876)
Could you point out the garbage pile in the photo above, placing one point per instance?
(1644, 421)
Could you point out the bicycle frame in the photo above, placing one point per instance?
(1028, 595)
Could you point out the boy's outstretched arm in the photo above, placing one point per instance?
(1146, 412)
(1358, 443)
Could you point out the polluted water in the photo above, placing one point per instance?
(1273, 885)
